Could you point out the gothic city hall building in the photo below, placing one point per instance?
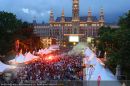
(87, 25)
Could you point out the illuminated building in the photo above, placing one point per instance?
(47, 41)
(87, 25)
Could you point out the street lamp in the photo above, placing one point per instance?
(74, 43)
(89, 39)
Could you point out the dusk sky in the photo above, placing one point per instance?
(27, 9)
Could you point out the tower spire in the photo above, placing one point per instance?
(75, 17)
(89, 19)
(62, 16)
(75, 10)
(63, 12)
(34, 20)
(101, 15)
(51, 16)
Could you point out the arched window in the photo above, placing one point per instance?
(75, 31)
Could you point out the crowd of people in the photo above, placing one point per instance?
(55, 66)
(52, 68)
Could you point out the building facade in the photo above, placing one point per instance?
(41, 30)
(56, 28)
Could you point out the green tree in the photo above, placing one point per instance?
(9, 22)
(124, 21)
(8, 25)
(120, 53)
(105, 39)
(12, 29)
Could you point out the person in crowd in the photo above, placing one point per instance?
(63, 67)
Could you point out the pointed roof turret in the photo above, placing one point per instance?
(101, 15)
(63, 14)
(51, 15)
(89, 19)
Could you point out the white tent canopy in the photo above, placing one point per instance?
(29, 57)
(54, 47)
(5, 66)
(21, 58)
(44, 51)
(95, 69)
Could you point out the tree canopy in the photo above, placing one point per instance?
(11, 28)
(9, 22)
(117, 44)
(124, 21)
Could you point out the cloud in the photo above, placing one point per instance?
(45, 13)
(25, 10)
(42, 14)
(29, 11)
(48, 12)
(33, 12)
